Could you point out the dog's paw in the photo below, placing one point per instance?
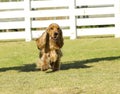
(45, 67)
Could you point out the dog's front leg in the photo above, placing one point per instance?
(55, 66)
(43, 63)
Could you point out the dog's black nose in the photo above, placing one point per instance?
(56, 33)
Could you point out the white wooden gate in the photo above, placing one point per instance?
(28, 19)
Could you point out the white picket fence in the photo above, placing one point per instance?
(76, 18)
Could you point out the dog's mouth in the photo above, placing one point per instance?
(54, 38)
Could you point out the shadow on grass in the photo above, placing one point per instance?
(64, 66)
(82, 64)
(24, 68)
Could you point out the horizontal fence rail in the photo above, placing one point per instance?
(28, 19)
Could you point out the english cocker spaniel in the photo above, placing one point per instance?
(49, 45)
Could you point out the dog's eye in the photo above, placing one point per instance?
(51, 28)
(58, 29)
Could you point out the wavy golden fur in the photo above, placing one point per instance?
(50, 44)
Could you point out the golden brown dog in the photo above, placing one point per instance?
(50, 44)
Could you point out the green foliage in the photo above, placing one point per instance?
(89, 66)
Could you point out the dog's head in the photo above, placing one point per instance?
(51, 38)
(54, 31)
(55, 34)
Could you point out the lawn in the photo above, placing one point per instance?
(89, 66)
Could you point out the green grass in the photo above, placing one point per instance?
(89, 66)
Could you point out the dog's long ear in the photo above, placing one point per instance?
(61, 40)
(47, 47)
(41, 41)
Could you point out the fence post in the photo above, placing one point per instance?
(28, 34)
(117, 18)
(73, 29)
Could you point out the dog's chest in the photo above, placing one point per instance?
(53, 45)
